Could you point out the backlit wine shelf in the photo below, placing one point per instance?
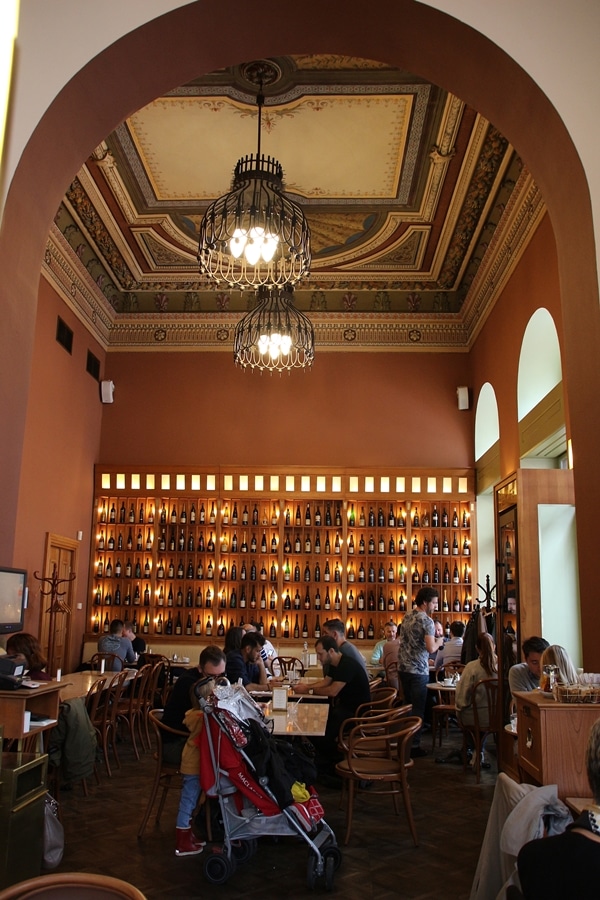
(191, 562)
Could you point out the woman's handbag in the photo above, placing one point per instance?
(54, 834)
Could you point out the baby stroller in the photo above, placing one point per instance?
(241, 766)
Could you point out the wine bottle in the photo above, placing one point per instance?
(361, 631)
(305, 628)
(455, 546)
(444, 518)
(371, 545)
(465, 548)
(158, 628)
(415, 546)
(361, 545)
(106, 624)
(307, 543)
(435, 547)
(456, 604)
(350, 600)
(402, 602)
(351, 517)
(351, 633)
(370, 630)
(296, 628)
(455, 519)
(350, 545)
(198, 626)
(198, 601)
(317, 631)
(307, 603)
(455, 575)
(221, 628)
(272, 628)
(188, 624)
(208, 628)
(435, 517)
(146, 625)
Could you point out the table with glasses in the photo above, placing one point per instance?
(300, 719)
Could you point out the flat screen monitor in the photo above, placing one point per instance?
(13, 596)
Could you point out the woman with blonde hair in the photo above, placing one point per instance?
(555, 655)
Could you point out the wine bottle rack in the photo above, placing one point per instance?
(184, 567)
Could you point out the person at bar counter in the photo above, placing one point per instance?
(568, 865)
(246, 664)
(347, 686)
(417, 641)
(115, 642)
(27, 645)
(525, 676)
(211, 664)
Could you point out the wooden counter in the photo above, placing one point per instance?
(42, 700)
(552, 740)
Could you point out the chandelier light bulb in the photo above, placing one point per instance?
(275, 335)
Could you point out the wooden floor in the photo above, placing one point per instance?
(380, 861)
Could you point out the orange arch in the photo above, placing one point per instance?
(201, 37)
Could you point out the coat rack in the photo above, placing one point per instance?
(57, 605)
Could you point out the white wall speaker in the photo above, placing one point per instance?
(462, 394)
(107, 390)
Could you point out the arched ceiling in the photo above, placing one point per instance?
(419, 209)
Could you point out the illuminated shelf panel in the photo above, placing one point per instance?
(188, 553)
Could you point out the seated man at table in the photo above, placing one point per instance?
(347, 686)
(115, 642)
(390, 631)
(138, 643)
(247, 663)
(211, 664)
(452, 650)
(525, 676)
(336, 629)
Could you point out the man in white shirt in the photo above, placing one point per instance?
(452, 649)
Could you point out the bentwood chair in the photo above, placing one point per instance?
(445, 708)
(379, 717)
(112, 662)
(72, 886)
(131, 707)
(381, 698)
(92, 703)
(164, 772)
(283, 665)
(379, 756)
(484, 705)
(106, 719)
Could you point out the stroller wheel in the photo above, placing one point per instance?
(218, 868)
(244, 850)
(335, 853)
(311, 872)
(329, 872)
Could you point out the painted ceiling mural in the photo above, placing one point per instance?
(418, 207)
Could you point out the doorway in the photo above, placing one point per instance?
(62, 553)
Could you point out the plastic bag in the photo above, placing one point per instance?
(54, 834)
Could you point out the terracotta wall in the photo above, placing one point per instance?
(61, 446)
(380, 409)
(495, 357)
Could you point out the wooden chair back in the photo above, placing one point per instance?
(284, 665)
(112, 662)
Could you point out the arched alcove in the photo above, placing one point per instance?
(540, 367)
(487, 422)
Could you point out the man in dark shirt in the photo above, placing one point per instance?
(347, 686)
(211, 665)
(247, 663)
